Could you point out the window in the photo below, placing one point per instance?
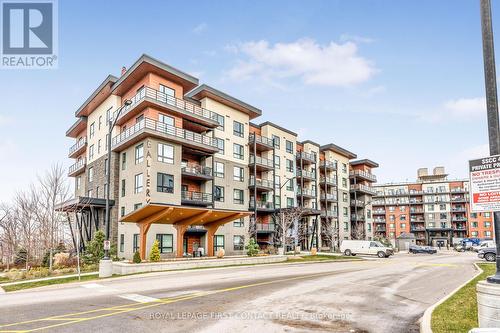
(167, 91)
(289, 185)
(139, 153)
(276, 141)
(124, 161)
(238, 151)
(89, 193)
(165, 153)
(219, 169)
(487, 233)
(346, 226)
(166, 120)
(289, 165)
(91, 174)
(137, 206)
(138, 184)
(220, 119)
(443, 216)
(238, 242)
(344, 168)
(442, 207)
(344, 182)
(92, 130)
(344, 197)
(238, 196)
(474, 224)
(123, 187)
(402, 217)
(219, 193)
(277, 201)
(403, 225)
(135, 243)
(122, 242)
(238, 174)
(487, 224)
(164, 183)
(345, 212)
(99, 146)
(369, 225)
(91, 152)
(122, 211)
(474, 233)
(238, 129)
(220, 144)
(277, 161)
(289, 146)
(218, 243)
(289, 202)
(97, 192)
(392, 217)
(165, 243)
(487, 215)
(78, 183)
(430, 208)
(473, 215)
(239, 223)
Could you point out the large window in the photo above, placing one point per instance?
(123, 187)
(289, 146)
(219, 169)
(239, 223)
(165, 183)
(289, 165)
(167, 91)
(166, 120)
(165, 243)
(238, 196)
(91, 174)
(220, 119)
(92, 130)
(124, 161)
(91, 152)
(218, 243)
(139, 153)
(165, 153)
(289, 202)
(122, 242)
(138, 184)
(238, 129)
(220, 145)
(238, 242)
(135, 243)
(277, 161)
(276, 141)
(238, 174)
(219, 193)
(238, 151)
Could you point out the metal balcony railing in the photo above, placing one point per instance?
(261, 161)
(162, 128)
(77, 167)
(363, 188)
(261, 205)
(358, 203)
(261, 139)
(328, 180)
(79, 144)
(196, 196)
(306, 156)
(378, 211)
(329, 213)
(306, 192)
(158, 96)
(197, 169)
(260, 182)
(328, 196)
(363, 174)
(265, 226)
(328, 165)
(305, 174)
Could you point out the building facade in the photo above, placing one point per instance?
(433, 208)
(190, 168)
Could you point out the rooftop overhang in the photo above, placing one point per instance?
(98, 96)
(366, 162)
(75, 129)
(80, 203)
(145, 65)
(171, 214)
(338, 150)
(212, 93)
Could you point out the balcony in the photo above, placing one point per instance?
(380, 229)
(458, 199)
(261, 142)
(417, 211)
(416, 193)
(306, 158)
(331, 197)
(262, 164)
(149, 97)
(77, 168)
(458, 209)
(417, 229)
(458, 190)
(328, 181)
(78, 148)
(363, 175)
(329, 166)
(416, 201)
(357, 218)
(262, 185)
(265, 228)
(378, 220)
(379, 212)
(358, 203)
(197, 172)
(458, 218)
(362, 188)
(417, 220)
(261, 206)
(329, 213)
(306, 193)
(306, 175)
(150, 127)
(196, 198)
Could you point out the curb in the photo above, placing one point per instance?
(2, 291)
(425, 320)
(45, 279)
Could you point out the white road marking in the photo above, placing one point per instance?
(92, 286)
(139, 298)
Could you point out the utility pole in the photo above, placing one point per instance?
(492, 109)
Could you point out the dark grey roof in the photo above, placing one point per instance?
(268, 123)
(338, 150)
(365, 161)
(109, 78)
(311, 143)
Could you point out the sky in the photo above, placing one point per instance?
(398, 82)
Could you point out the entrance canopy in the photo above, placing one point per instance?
(181, 217)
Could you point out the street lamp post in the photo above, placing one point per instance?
(492, 109)
(111, 123)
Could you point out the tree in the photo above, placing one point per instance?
(95, 248)
(252, 248)
(358, 231)
(287, 220)
(330, 233)
(137, 257)
(154, 254)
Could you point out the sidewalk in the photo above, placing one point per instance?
(45, 279)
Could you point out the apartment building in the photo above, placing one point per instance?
(191, 169)
(362, 192)
(433, 208)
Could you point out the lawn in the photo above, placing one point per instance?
(319, 257)
(459, 312)
(27, 285)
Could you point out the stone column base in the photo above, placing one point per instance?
(488, 304)
(105, 268)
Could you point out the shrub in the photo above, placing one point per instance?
(21, 257)
(154, 255)
(137, 257)
(95, 249)
(252, 248)
(62, 260)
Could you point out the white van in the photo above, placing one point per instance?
(484, 245)
(353, 247)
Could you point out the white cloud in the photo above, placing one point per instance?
(356, 39)
(329, 65)
(200, 28)
(467, 108)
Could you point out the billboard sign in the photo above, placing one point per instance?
(484, 175)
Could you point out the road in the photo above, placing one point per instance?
(377, 295)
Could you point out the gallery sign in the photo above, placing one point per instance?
(484, 175)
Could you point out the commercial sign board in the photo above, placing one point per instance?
(484, 175)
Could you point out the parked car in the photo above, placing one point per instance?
(489, 253)
(459, 248)
(483, 245)
(353, 247)
(421, 249)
